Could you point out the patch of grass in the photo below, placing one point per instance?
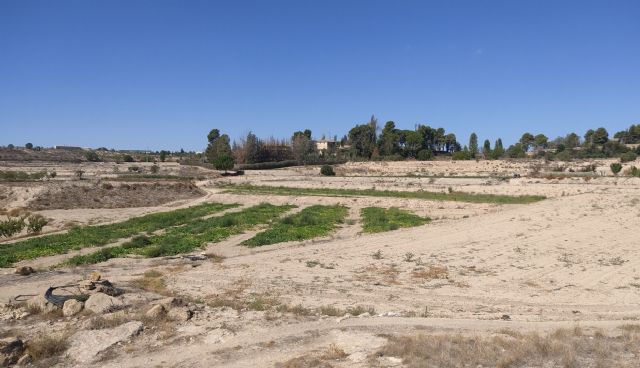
(188, 237)
(21, 175)
(92, 236)
(433, 196)
(376, 219)
(311, 222)
(562, 348)
(46, 347)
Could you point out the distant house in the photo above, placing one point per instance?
(68, 148)
(325, 145)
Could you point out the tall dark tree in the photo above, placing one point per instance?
(219, 145)
(498, 150)
(389, 139)
(600, 136)
(302, 146)
(363, 140)
(540, 141)
(486, 149)
(473, 145)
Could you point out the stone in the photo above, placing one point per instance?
(102, 303)
(181, 314)
(11, 349)
(156, 311)
(94, 276)
(169, 302)
(24, 360)
(24, 270)
(40, 303)
(86, 345)
(72, 307)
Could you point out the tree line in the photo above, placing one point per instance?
(368, 141)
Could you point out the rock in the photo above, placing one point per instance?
(181, 314)
(41, 304)
(86, 346)
(106, 289)
(11, 349)
(24, 270)
(24, 360)
(72, 307)
(169, 302)
(102, 303)
(156, 311)
(87, 284)
(94, 276)
(506, 317)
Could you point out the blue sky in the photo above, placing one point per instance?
(160, 74)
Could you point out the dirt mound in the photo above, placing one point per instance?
(111, 195)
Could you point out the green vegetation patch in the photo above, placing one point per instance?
(311, 222)
(21, 175)
(376, 219)
(188, 237)
(91, 236)
(433, 196)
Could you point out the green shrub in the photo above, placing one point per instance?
(633, 171)
(461, 155)
(11, 226)
(628, 156)
(35, 223)
(21, 175)
(127, 158)
(616, 167)
(155, 169)
(327, 170)
(377, 219)
(424, 155)
(92, 156)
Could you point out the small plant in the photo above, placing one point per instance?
(78, 174)
(155, 169)
(53, 174)
(408, 257)
(92, 156)
(11, 226)
(134, 169)
(327, 170)
(615, 168)
(36, 223)
(377, 255)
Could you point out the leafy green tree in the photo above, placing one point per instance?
(541, 141)
(473, 145)
(363, 140)
(28, 146)
(219, 145)
(302, 146)
(588, 136)
(224, 162)
(92, 156)
(163, 155)
(516, 151)
(572, 140)
(251, 149)
(600, 136)
(526, 141)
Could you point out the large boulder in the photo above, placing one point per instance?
(72, 307)
(181, 314)
(156, 311)
(11, 349)
(102, 303)
(86, 346)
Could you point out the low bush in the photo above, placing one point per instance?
(35, 223)
(11, 226)
(327, 170)
(21, 175)
(267, 165)
(628, 156)
(424, 155)
(615, 168)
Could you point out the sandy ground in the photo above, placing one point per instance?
(568, 260)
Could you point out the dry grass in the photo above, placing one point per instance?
(569, 348)
(431, 273)
(319, 359)
(379, 274)
(152, 281)
(45, 349)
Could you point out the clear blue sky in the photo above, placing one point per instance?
(160, 74)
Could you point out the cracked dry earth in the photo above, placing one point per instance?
(476, 270)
